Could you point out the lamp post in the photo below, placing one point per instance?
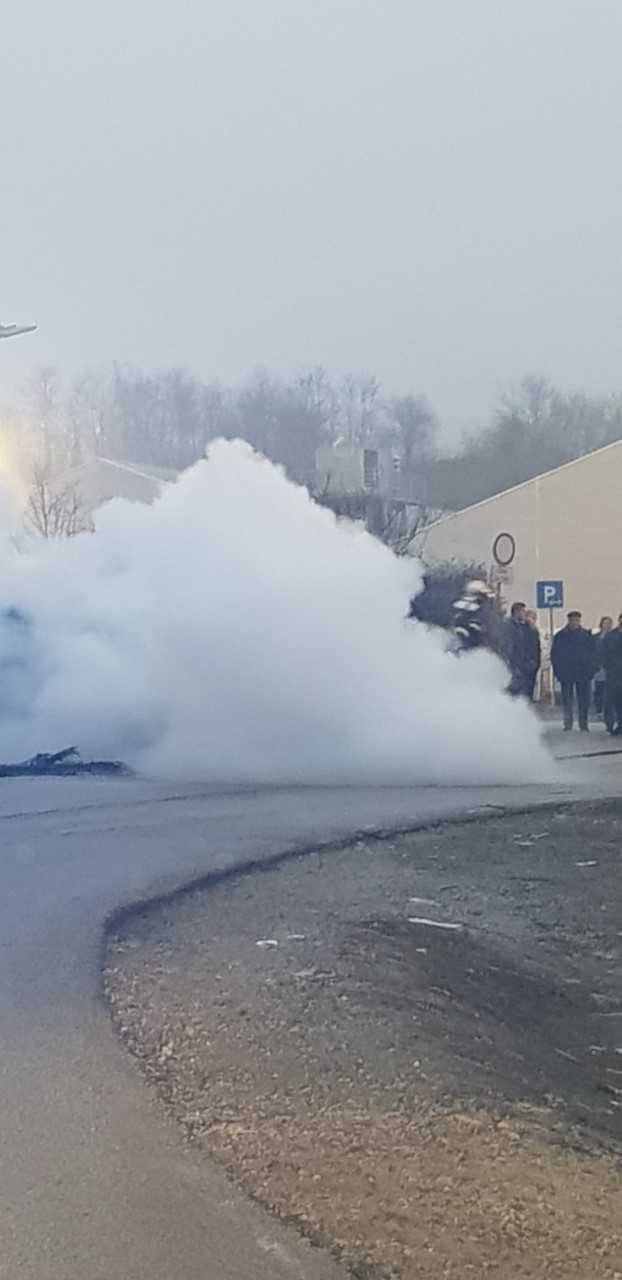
(14, 330)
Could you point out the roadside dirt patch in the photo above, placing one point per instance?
(411, 1048)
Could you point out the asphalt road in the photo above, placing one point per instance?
(95, 1183)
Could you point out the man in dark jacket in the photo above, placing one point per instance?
(534, 648)
(573, 658)
(611, 652)
(520, 652)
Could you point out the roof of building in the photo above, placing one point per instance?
(99, 480)
(166, 475)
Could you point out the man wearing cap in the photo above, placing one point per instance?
(574, 658)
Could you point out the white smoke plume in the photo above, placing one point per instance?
(236, 631)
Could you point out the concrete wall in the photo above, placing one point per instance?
(567, 524)
(340, 468)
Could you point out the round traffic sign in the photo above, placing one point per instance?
(504, 549)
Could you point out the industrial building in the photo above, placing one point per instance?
(563, 527)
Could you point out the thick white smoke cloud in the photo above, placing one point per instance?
(236, 631)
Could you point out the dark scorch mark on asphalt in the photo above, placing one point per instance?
(498, 1026)
(518, 1001)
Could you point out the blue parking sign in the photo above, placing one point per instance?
(550, 595)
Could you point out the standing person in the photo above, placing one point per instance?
(572, 656)
(612, 660)
(534, 651)
(601, 702)
(519, 651)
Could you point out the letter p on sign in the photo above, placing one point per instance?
(550, 595)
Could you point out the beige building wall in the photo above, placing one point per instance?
(567, 524)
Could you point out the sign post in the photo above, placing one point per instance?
(550, 595)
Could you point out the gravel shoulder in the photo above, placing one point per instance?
(411, 1048)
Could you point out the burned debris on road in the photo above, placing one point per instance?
(62, 764)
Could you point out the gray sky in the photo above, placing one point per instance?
(425, 189)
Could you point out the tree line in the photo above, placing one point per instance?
(166, 420)
(535, 427)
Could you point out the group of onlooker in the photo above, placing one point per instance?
(585, 664)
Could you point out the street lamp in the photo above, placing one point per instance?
(14, 330)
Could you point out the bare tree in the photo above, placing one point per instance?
(414, 430)
(394, 522)
(360, 409)
(42, 400)
(319, 396)
(404, 521)
(88, 414)
(54, 509)
(280, 421)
